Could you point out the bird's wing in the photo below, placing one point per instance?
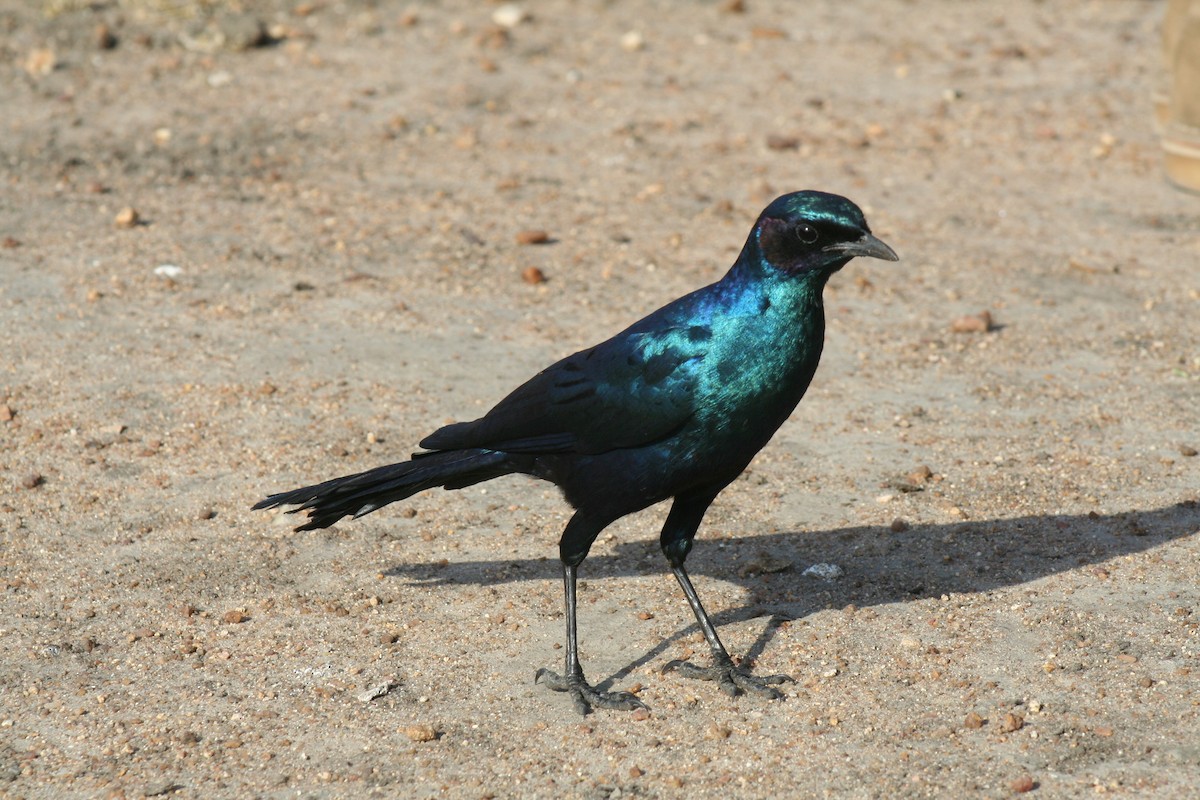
(632, 390)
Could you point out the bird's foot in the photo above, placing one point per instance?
(732, 678)
(586, 696)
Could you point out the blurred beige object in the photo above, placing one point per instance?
(1181, 127)
(1172, 30)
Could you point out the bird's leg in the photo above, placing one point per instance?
(676, 542)
(586, 697)
(577, 539)
(730, 677)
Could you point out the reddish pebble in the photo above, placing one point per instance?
(235, 617)
(1023, 784)
(533, 275)
(973, 323)
(533, 237)
(973, 721)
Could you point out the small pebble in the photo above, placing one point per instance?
(635, 772)
(768, 33)
(235, 617)
(632, 41)
(973, 721)
(777, 141)
(533, 276)
(127, 217)
(6, 412)
(239, 31)
(1012, 722)
(509, 15)
(826, 572)
(32, 480)
(715, 731)
(420, 733)
(899, 525)
(764, 563)
(640, 715)
(920, 475)
(206, 513)
(973, 323)
(1023, 784)
(375, 692)
(532, 237)
(40, 61)
(1187, 450)
(104, 38)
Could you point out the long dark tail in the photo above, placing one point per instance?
(355, 495)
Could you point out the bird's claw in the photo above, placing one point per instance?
(731, 678)
(585, 696)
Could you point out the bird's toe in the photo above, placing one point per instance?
(731, 679)
(585, 696)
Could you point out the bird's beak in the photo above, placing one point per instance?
(868, 245)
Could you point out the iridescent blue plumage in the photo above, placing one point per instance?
(675, 406)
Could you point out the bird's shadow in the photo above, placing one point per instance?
(880, 565)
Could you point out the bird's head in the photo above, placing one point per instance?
(815, 233)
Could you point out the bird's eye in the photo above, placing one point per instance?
(806, 233)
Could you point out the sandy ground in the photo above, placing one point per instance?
(341, 204)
